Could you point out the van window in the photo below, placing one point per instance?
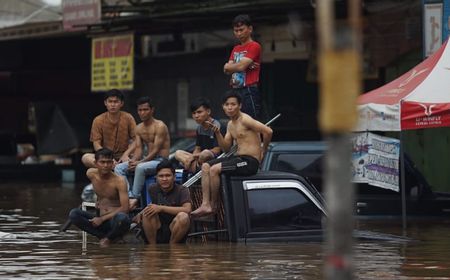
(296, 163)
(307, 165)
(281, 209)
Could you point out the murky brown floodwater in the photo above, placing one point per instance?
(34, 212)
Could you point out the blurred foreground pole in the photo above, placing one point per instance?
(340, 84)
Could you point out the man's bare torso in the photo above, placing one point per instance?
(248, 141)
(148, 134)
(107, 192)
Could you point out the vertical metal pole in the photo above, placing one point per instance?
(83, 233)
(339, 195)
(403, 181)
(325, 24)
(340, 84)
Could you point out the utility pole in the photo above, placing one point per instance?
(340, 84)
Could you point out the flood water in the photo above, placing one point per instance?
(35, 249)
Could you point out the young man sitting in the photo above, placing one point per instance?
(113, 222)
(153, 134)
(166, 218)
(247, 133)
(206, 146)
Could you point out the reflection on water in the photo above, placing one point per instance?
(33, 213)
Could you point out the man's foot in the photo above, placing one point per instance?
(105, 242)
(133, 204)
(120, 241)
(202, 211)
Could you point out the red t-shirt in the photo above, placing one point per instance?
(251, 50)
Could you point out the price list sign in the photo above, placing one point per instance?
(112, 63)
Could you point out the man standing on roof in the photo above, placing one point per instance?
(206, 146)
(113, 129)
(153, 134)
(247, 133)
(244, 66)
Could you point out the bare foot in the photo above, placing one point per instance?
(202, 211)
(133, 203)
(105, 242)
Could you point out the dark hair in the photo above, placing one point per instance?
(199, 102)
(165, 163)
(143, 100)
(114, 93)
(242, 20)
(230, 94)
(104, 153)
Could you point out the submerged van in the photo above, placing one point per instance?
(268, 206)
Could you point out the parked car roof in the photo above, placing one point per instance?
(293, 145)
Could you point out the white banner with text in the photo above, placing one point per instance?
(375, 160)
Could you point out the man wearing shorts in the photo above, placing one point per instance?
(206, 146)
(247, 133)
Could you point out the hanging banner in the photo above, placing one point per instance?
(375, 160)
(360, 150)
(112, 63)
(445, 20)
(432, 28)
(79, 13)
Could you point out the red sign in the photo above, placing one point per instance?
(415, 115)
(77, 13)
(114, 47)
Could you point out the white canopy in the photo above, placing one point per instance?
(418, 99)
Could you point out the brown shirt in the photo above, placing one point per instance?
(114, 135)
(177, 196)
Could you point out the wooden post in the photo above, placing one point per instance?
(340, 84)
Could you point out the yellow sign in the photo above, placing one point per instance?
(112, 63)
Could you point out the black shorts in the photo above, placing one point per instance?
(237, 165)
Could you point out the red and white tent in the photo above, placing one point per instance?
(418, 99)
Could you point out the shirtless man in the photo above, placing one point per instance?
(155, 135)
(246, 132)
(206, 146)
(113, 129)
(112, 202)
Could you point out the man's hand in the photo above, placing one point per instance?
(151, 209)
(132, 164)
(253, 66)
(138, 218)
(195, 155)
(226, 67)
(123, 159)
(213, 127)
(97, 221)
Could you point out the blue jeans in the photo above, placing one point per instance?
(251, 103)
(142, 169)
(114, 228)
